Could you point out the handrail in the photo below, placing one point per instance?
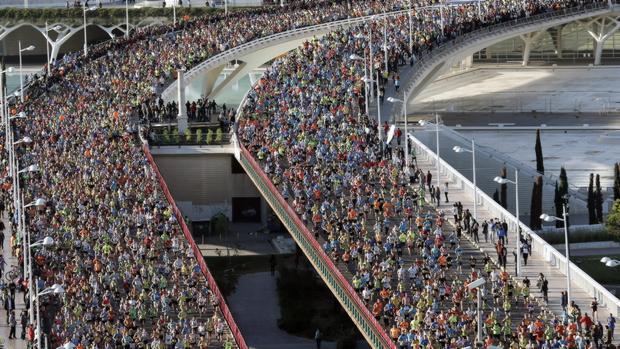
(539, 246)
(234, 329)
(384, 339)
(267, 41)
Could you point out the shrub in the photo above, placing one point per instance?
(198, 135)
(209, 136)
(218, 136)
(613, 220)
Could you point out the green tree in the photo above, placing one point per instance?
(503, 197)
(561, 196)
(218, 136)
(496, 196)
(591, 201)
(599, 200)
(209, 136)
(536, 205)
(540, 167)
(613, 218)
(198, 136)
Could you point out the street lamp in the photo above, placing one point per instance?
(21, 70)
(37, 202)
(396, 100)
(126, 18)
(46, 242)
(424, 123)
(47, 46)
(502, 180)
(55, 289)
(23, 140)
(4, 104)
(371, 82)
(478, 284)
(355, 57)
(86, 9)
(610, 262)
(547, 218)
(31, 168)
(458, 149)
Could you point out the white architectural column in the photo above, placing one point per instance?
(529, 39)
(182, 115)
(602, 29)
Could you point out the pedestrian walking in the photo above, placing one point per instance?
(12, 324)
(445, 192)
(318, 338)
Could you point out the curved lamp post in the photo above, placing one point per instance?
(458, 149)
(502, 180)
(547, 218)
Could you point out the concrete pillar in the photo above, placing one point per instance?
(558, 41)
(467, 62)
(529, 39)
(210, 78)
(182, 115)
(600, 32)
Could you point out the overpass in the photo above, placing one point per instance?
(428, 67)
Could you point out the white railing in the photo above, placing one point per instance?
(539, 246)
(257, 44)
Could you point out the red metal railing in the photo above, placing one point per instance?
(234, 329)
(342, 281)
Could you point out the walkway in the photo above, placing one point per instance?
(536, 265)
(19, 297)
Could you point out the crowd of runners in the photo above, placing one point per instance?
(304, 121)
(130, 277)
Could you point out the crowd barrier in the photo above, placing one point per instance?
(234, 329)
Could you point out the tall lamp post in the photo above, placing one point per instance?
(458, 149)
(547, 218)
(501, 180)
(47, 44)
(126, 18)
(372, 82)
(424, 123)
(478, 284)
(5, 115)
(86, 9)
(48, 241)
(404, 109)
(355, 57)
(21, 69)
(56, 289)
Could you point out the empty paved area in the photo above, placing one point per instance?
(505, 89)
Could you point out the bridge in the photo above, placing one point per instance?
(429, 66)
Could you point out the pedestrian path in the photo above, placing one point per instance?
(536, 264)
(11, 261)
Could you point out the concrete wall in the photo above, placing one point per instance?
(206, 181)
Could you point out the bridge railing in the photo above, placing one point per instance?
(267, 41)
(539, 246)
(234, 329)
(375, 334)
